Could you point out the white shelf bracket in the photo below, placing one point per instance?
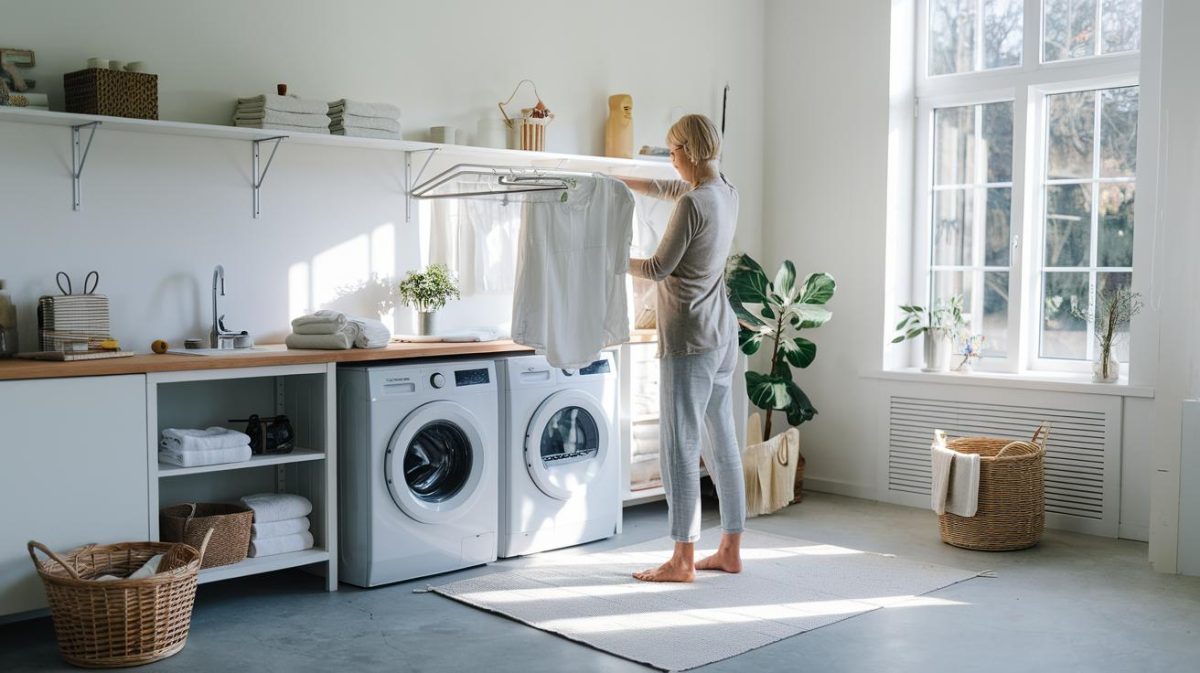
(260, 176)
(78, 157)
(410, 180)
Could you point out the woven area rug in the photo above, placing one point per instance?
(788, 586)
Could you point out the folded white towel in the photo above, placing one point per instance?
(338, 341)
(270, 507)
(271, 546)
(202, 457)
(470, 335)
(354, 107)
(187, 439)
(324, 321)
(356, 122)
(284, 104)
(955, 486)
(291, 128)
(279, 528)
(370, 333)
(277, 117)
(366, 133)
(941, 460)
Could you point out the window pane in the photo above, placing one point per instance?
(1071, 120)
(1122, 25)
(951, 36)
(1063, 334)
(1068, 225)
(1002, 26)
(954, 146)
(1069, 29)
(953, 221)
(999, 214)
(995, 313)
(998, 138)
(1108, 282)
(1118, 132)
(1116, 225)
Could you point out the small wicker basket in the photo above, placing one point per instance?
(119, 623)
(1012, 509)
(230, 526)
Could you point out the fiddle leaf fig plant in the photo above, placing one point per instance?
(774, 312)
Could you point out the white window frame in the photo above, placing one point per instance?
(1027, 86)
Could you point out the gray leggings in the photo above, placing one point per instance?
(696, 391)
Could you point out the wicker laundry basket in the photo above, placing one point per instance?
(118, 623)
(230, 526)
(1011, 512)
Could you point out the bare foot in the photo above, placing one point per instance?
(671, 571)
(723, 561)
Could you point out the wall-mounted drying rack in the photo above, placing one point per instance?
(508, 180)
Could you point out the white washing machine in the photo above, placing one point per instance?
(560, 480)
(418, 455)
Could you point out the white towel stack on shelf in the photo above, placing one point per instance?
(364, 120)
(187, 447)
(281, 523)
(282, 113)
(333, 330)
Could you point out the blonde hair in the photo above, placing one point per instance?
(698, 136)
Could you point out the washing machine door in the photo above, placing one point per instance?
(566, 443)
(435, 462)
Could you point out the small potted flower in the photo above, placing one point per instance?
(940, 324)
(971, 351)
(426, 292)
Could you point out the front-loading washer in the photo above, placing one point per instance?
(561, 465)
(418, 469)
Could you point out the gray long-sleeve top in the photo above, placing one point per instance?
(694, 314)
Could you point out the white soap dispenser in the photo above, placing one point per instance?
(8, 324)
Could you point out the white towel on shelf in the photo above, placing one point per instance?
(369, 333)
(336, 121)
(188, 439)
(277, 117)
(271, 546)
(366, 133)
(354, 107)
(572, 258)
(202, 457)
(324, 318)
(338, 341)
(955, 479)
(279, 528)
(270, 507)
(284, 104)
(270, 126)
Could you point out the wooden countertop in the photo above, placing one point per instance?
(276, 355)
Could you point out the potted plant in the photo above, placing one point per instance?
(774, 312)
(1114, 310)
(971, 351)
(427, 292)
(941, 324)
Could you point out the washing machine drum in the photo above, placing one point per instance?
(435, 461)
(567, 443)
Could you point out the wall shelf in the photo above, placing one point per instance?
(296, 456)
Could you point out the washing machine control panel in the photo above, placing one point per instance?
(437, 380)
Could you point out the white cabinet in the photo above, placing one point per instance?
(74, 471)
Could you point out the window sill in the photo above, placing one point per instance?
(1052, 381)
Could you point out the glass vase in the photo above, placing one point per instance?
(1106, 374)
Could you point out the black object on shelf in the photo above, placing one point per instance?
(269, 435)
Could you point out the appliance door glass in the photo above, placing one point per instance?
(567, 443)
(435, 462)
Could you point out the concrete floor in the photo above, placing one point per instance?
(1074, 603)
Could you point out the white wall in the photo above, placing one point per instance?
(160, 211)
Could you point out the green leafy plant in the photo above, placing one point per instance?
(945, 315)
(783, 309)
(428, 290)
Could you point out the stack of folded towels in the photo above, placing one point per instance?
(211, 446)
(283, 113)
(364, 120)
(280, 523)
(333, 330)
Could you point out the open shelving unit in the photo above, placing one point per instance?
(204, 398)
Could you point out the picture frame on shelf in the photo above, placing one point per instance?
(22, 58)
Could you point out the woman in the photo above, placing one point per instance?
(697, 347)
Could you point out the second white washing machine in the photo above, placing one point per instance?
(561, 466)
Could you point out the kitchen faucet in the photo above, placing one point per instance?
(217, 327)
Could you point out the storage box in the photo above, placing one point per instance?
(116, 93)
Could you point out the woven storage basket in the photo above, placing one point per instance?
(116, 93)
(121, 622)
(1012, 510)
(230, 526)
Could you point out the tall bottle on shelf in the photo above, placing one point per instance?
(8, 323)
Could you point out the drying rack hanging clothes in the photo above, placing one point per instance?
(478, 180)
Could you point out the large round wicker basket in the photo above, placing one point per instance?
(1011, 512)
(121, 622)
